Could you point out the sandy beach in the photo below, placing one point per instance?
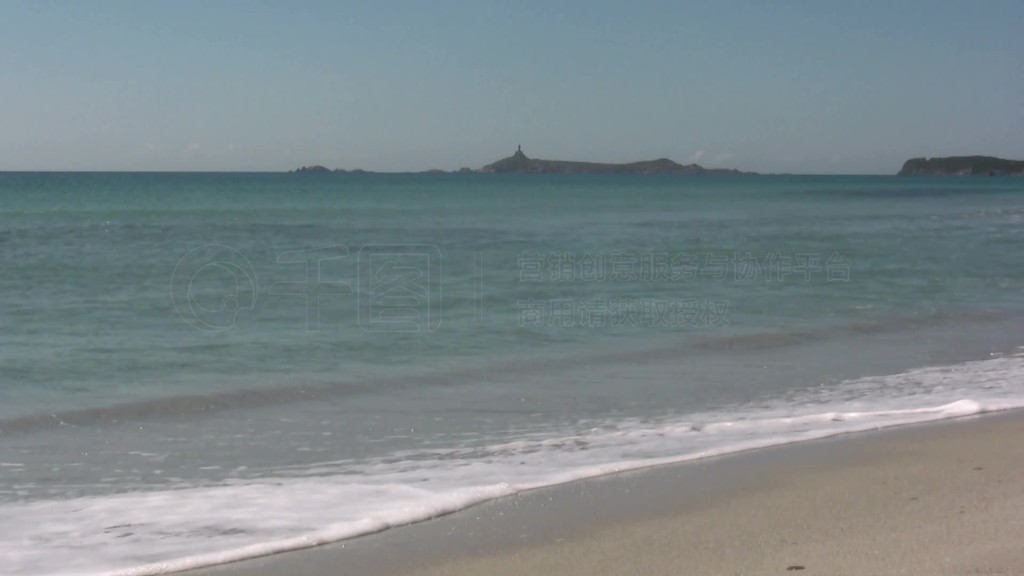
(942, 498)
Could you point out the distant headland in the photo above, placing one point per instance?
(962, 166)
(519, 163)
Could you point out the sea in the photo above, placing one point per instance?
(201, 368)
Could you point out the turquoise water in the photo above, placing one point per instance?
(403, 344)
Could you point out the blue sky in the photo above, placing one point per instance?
(805, 87)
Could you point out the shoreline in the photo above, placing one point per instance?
(821, 504)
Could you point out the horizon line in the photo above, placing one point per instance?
(429, 171)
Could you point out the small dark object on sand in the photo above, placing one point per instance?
(795, 567)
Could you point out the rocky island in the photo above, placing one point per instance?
(318, 169)
(520, 163)
(962, 166)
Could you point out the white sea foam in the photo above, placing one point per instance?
(142, 533)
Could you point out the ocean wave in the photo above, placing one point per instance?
(155, 532)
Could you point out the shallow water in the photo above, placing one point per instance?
(200, 367)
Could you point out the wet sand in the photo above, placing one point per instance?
(942, 498)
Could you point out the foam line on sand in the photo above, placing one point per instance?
(941, 498)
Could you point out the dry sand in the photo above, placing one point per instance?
(932, 499)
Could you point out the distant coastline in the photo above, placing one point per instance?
(519, 163)
(318, 169)
(962, 166)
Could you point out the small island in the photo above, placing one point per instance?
(519, 163)
(315, 169)
(962, 166)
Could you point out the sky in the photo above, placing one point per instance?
(853, 87)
